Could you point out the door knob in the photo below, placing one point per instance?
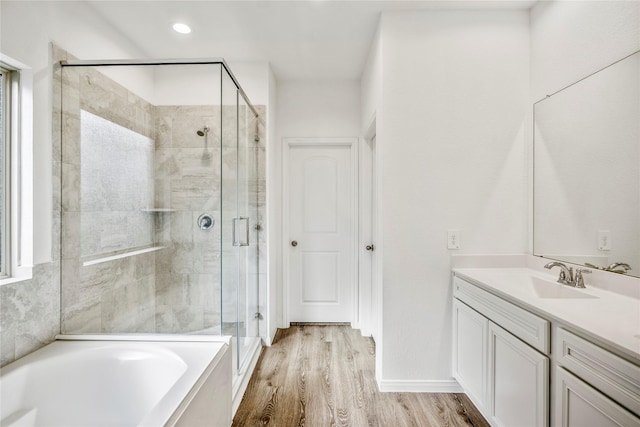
(370, 248)
(294, 243)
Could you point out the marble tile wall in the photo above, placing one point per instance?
(103, 195)
(188, 182)
(29, 313)
(30, 309)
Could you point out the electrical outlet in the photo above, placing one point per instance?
(453, 239)
(604, 240)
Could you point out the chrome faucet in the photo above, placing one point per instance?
(566, 273)
(618, 267)
(579, 280)
(566, 276)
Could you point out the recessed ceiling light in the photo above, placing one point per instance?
(181, 28)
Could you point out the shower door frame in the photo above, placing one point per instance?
(125, 62)
(160, 62)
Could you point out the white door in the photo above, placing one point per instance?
(320, 192)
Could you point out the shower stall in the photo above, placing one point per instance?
(162, 166)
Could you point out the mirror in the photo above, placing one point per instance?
(587, 170)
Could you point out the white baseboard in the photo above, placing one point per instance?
(419, 386)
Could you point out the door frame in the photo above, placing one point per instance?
(368, 228)
(352, 143)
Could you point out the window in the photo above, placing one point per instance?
(16, 171)
(5, 157)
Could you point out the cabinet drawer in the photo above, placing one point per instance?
(528, 327)
(614, 376)
(577, 404)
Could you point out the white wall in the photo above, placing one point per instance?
(308, 109)
(254, 77)
(371, 84)
(572, 39)
(318, 109)
(451, 138)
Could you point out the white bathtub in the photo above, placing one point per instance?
(120, 381)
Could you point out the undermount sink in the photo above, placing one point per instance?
(552, 290)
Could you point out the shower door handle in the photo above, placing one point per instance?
(239, 240)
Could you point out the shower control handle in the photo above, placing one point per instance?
(294, 243)
(205, 221)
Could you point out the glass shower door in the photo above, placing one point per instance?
(230, 261)
(248, 251)
(239, 250)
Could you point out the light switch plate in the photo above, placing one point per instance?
(453, 239)
(604, 240)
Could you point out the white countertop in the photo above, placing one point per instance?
(611, 319)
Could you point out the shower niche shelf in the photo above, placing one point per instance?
(126, 254)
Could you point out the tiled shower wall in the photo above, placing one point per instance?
(29, 312)
(187, 181)
(116, 295)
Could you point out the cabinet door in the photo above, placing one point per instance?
(470, 338)
(518, 382)
(580, 405)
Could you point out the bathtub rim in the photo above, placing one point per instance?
(157, 413)
(145, 337)
(166, 415)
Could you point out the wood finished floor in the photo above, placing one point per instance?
(321, 376)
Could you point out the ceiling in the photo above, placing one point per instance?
(301, 39)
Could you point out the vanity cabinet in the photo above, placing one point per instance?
(504, 375)
(593, 385)
(470, 352)
(580, 405)
(504, 360)
(518, 381)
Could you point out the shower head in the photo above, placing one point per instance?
(203, 131)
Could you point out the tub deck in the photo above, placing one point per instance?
(119, 381)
